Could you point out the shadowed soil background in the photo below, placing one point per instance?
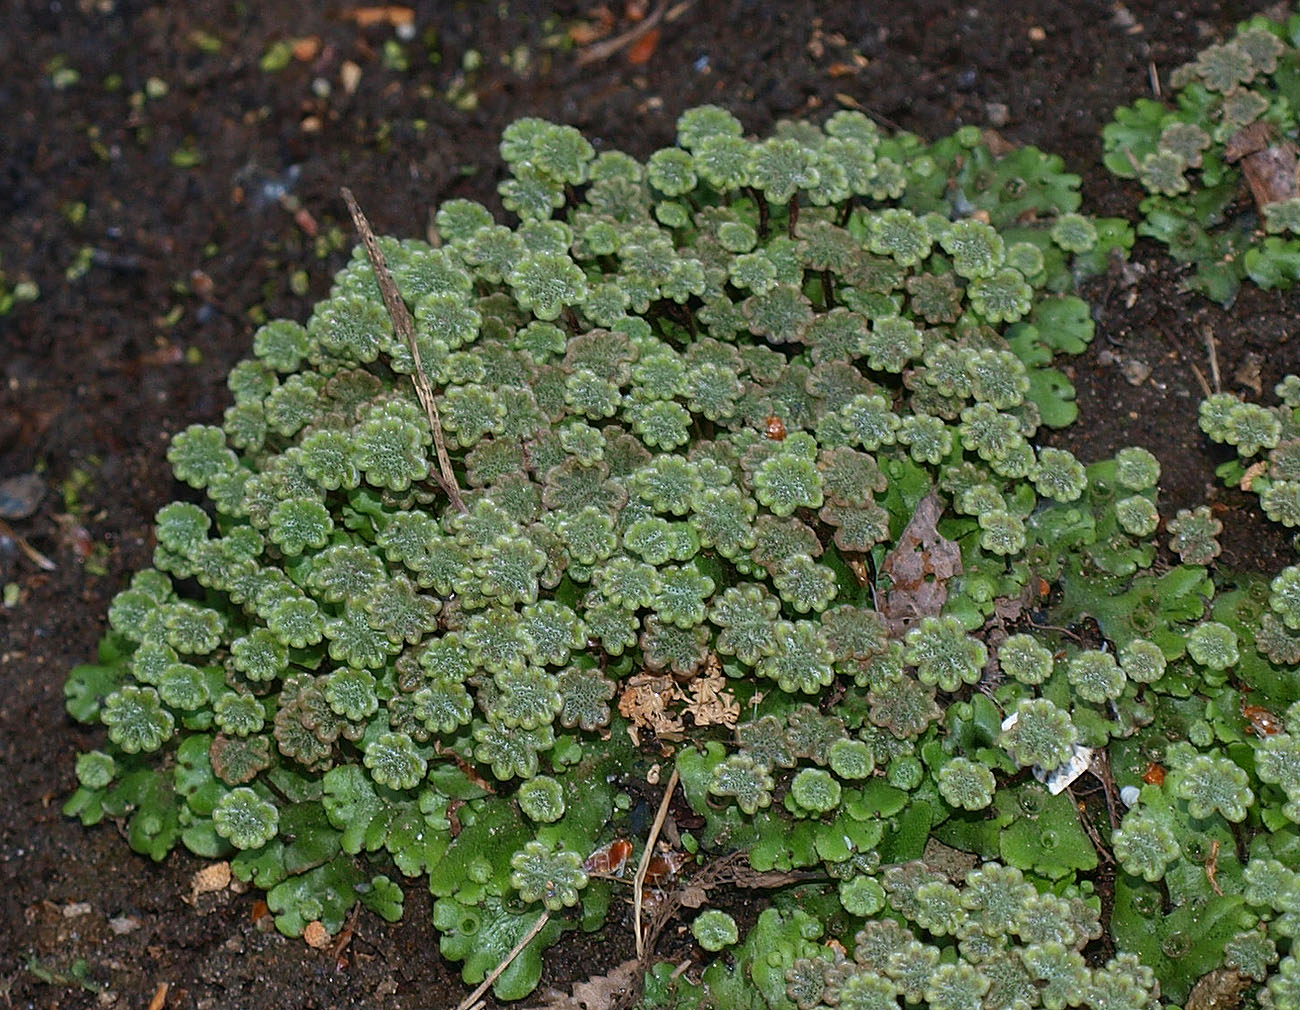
(169, 177)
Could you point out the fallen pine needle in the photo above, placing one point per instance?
(638, 884)
(469, 1002)
(159, 997)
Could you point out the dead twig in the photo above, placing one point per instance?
(1100, 768)
(344, 939)
(401, 316)
(731, 869)
(33, 555)
(473, 998)
(1090, 829)
(638, 883)
(1054, 627)
(604, 50)
(1212, 868)
(1200, 377)
(1212, 352)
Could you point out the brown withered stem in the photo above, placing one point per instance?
(405, 327)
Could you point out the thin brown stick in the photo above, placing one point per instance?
(33, 555)
(1090, 829)
(1100, 768)
(1200, 377)
(638, 884)
(473, 998)
(1212, 868)
(402, 322)
(1211, 351)
(724, 870)
(1054, 627)
(604, 50)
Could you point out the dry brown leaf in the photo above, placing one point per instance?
(1221, 989)
(657, 702)
(597, 993)
(919, 567)
(1270, 168)
(743, 876)
(711, 703)
(645, 701)
(706, 690)
(1271, 174)
(1248, 140)
(1008, 609)
(997, 144)
(1248, 374)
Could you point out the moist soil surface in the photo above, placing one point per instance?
(169, 177)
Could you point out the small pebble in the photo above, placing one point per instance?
(1135, 371)
(349, 76)
(998, 114)
(1129, 795)
(123, 924)
(20, 496)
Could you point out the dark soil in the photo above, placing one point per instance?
(149, 297)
